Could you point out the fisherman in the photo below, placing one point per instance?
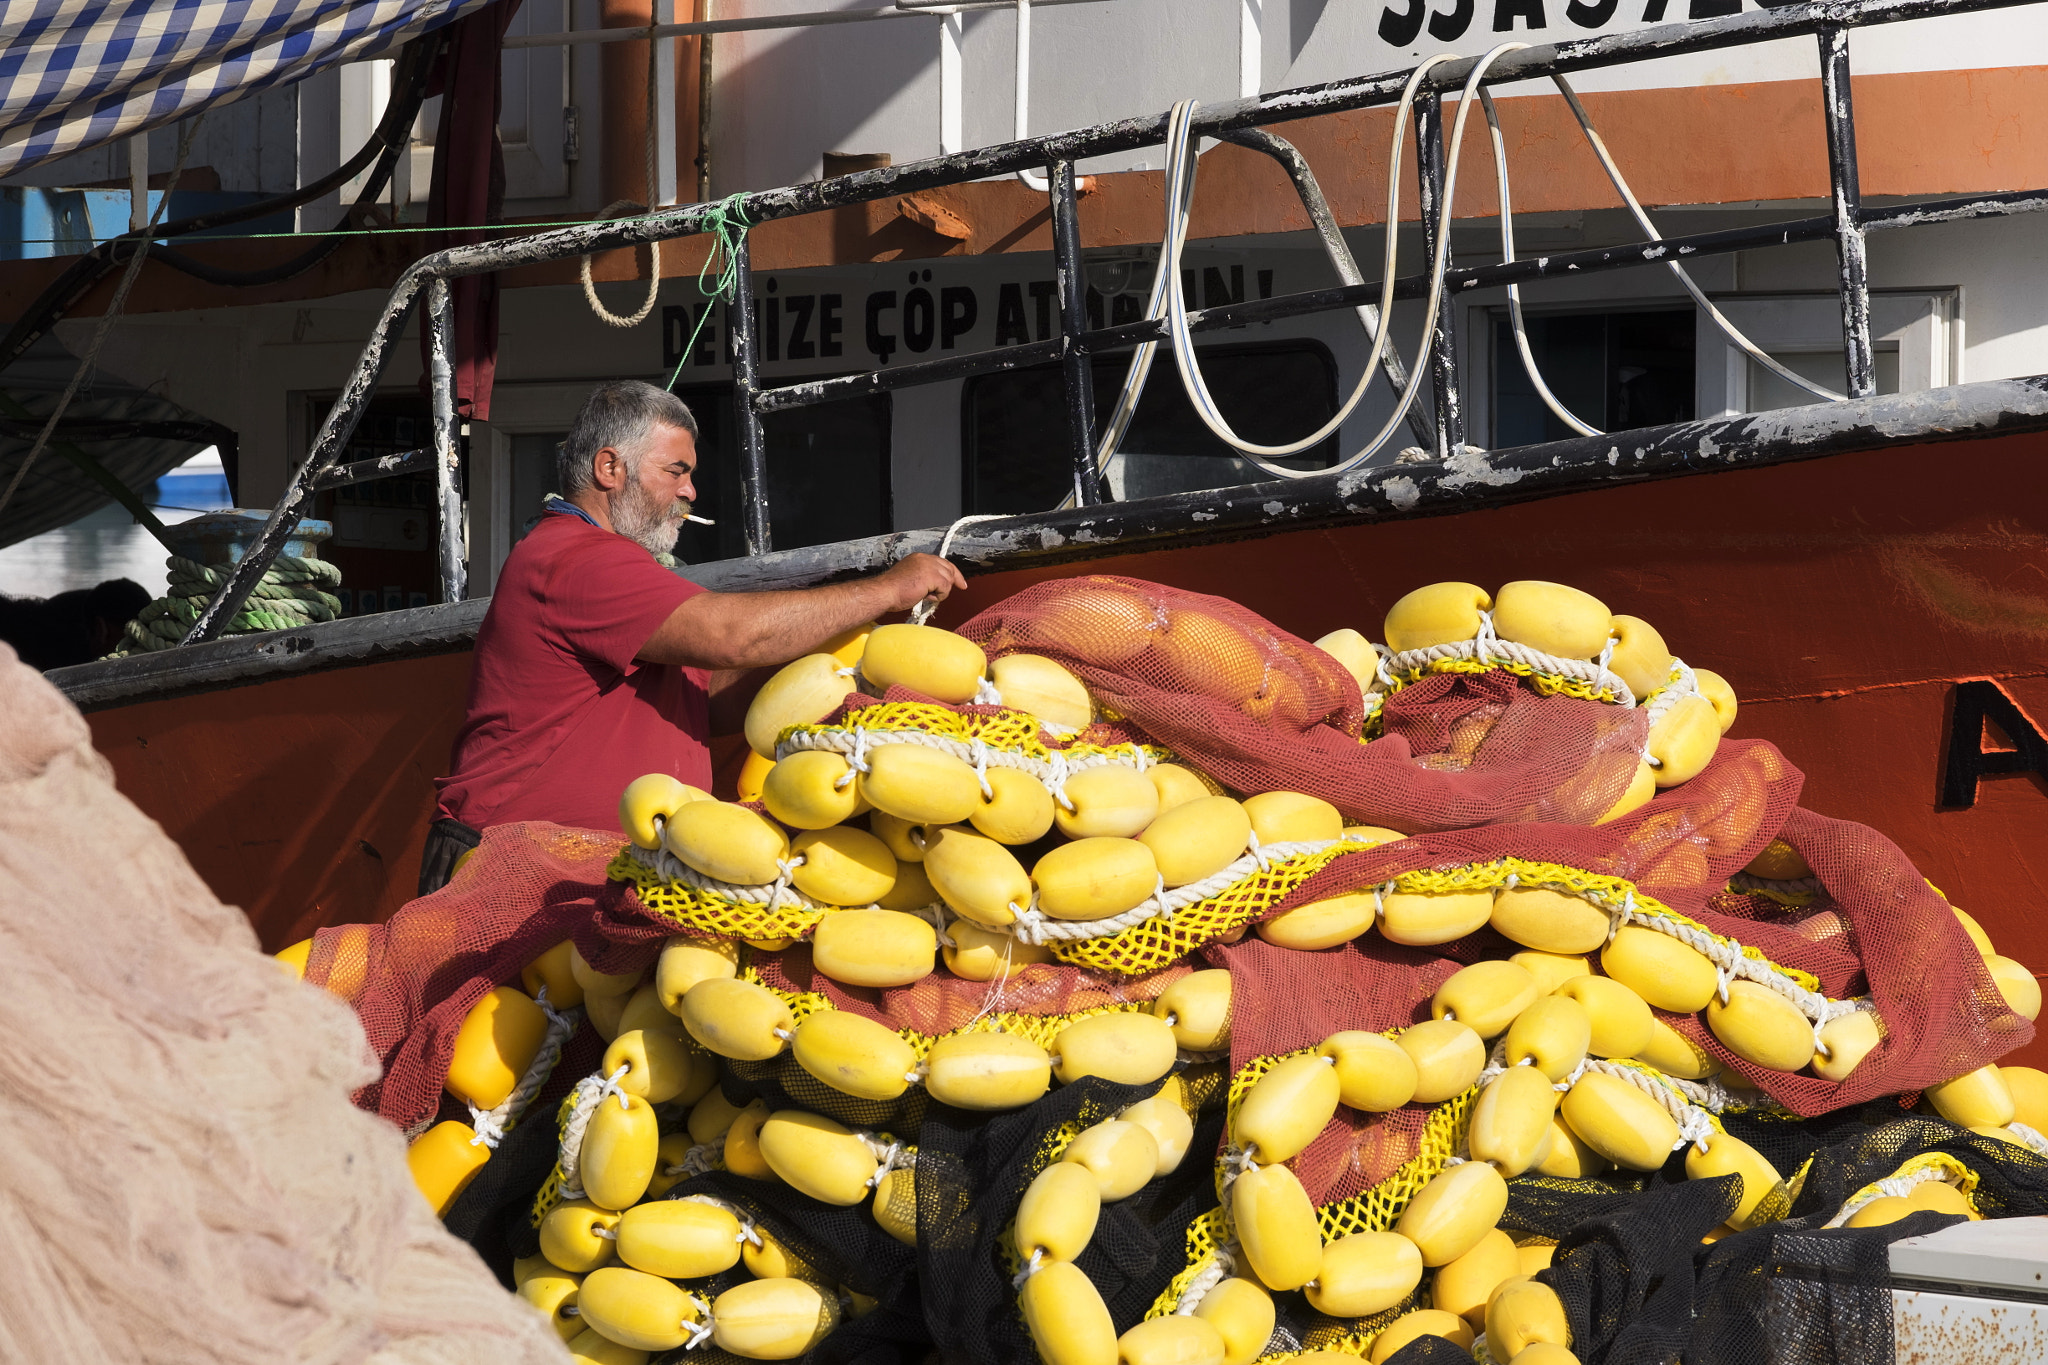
(595, 664)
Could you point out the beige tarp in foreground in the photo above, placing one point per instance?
(183, 1176)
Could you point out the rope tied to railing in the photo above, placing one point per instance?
(727, 223)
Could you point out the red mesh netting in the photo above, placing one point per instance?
(412, 980)
(1258, 709)
(943, 1003)
(1481, 766)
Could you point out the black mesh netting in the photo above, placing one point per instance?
(1641, 1288)
(972, 1171)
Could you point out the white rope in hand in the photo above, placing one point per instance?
(922, 612)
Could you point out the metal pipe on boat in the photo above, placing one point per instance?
(743, 327)
(447, 451)
(1076, 369)
(1846, 199)
(1443, 353)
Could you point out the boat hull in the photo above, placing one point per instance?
(1846, 599)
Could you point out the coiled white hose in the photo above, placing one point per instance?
(1167, 297)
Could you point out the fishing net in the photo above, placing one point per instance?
(1454, 775)
(186, 1179)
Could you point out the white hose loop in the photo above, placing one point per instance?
(1183, 342)
(1720, 320)
(1031, 179)
(1258, 854)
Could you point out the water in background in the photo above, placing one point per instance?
(108, 544)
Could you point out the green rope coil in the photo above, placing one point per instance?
(292, 593)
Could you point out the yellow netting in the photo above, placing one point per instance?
(1008, 731)
(1039, 1028)
(1546, 684)
(1373, 1210)
(1165, 939)
(701, 912)
(1593, 887)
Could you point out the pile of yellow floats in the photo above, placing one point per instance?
(898, 849)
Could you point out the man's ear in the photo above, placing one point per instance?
(608, 469)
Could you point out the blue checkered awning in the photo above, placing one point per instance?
(77, 73)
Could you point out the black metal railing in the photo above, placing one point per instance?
(1845, 225)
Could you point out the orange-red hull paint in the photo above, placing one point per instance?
(305, 799)
(1842, 598)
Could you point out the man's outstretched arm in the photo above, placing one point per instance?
(740, 630)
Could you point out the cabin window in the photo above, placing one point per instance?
(385, 530)
(1015, 448)
(1612, 370)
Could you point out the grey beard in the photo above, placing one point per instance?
(648, 523)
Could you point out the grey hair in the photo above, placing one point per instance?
(618, 414)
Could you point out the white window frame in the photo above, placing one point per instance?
(536, 86)
(1922, 325)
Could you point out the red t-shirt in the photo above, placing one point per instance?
(561, 715)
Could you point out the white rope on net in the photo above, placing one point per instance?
(1730, 962)
(1035, 927)
(1487, 648)
(1892, 1186)
(699, 1160)
(1695, 1123)
(773, 895)
(491, 1125)
(589, 1091)
(857, 743)
(1222, 1264)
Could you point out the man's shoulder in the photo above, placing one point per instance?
(557, 540)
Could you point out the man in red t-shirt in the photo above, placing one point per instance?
(595, 664)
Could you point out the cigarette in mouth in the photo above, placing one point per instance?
(701, 521)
